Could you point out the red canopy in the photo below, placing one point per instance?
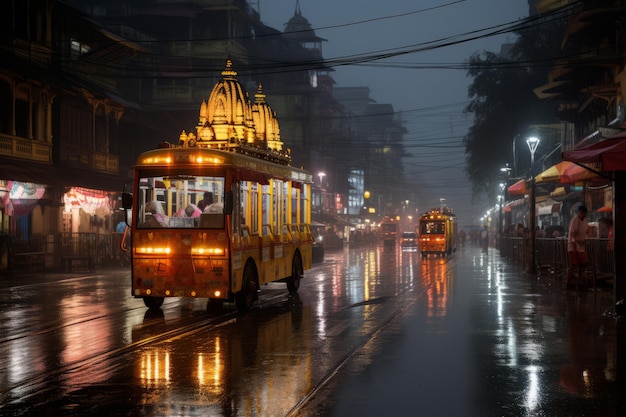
(519, 188)
(607, 155)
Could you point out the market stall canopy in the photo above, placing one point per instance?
(519, 188)
(558, 192)
(605, 156)
(565, 172)
(509, 206)
(551, 174)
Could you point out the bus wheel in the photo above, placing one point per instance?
(245, 298)
(293, 283)
(153, 302)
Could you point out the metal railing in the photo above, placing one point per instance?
(551, 256)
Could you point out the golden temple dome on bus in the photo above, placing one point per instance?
(228, 119)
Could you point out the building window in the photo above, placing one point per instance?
(79, 48)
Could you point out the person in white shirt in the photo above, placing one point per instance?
(576, 250)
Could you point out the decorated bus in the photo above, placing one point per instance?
(438, 232)
(221, 212)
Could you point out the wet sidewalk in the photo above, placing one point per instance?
(502, 343)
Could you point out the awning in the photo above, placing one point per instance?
(509, 206)
(329, 219)
(519, 188)
(21, 198)
(90, 201)
(558, 192)
(51, 175)
(553, 173)
(605, 156)
(565, 172)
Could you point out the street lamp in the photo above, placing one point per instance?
(532, 142)
(499, 230)
(505, 174)
(501, 227)
(321, 175)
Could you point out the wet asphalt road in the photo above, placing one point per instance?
(489, 341)
(372, 333)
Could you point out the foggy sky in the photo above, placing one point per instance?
(432, 99)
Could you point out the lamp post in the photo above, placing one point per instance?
(505, 173)
(532, 142)
(500, 228)
(321, 175)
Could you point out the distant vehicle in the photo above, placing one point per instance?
(437, 232)
(408, 239)
(389, 231)
(317, 248)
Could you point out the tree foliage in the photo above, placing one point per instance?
(503, 102)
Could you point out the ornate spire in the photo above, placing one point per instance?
(227, 120)
(229, 73)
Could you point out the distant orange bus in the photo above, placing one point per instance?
(437, 232)
(389, 231)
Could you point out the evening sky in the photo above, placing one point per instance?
(428, 85)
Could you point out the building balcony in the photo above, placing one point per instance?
(89, 159)
(32, 150)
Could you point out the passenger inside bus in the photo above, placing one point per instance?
(207, 200)
(190, 211)
(155, 216)
(214, 208)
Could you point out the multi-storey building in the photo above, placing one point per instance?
(589, 82)
(84, 90)
(59, 114)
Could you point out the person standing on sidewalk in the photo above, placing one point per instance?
(576, 251)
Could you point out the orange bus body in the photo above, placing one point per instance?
(261, 234)
(437, 232)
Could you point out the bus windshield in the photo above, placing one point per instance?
(432, 228)
(176, 201)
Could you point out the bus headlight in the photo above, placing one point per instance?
(207, 251)
(153, 250)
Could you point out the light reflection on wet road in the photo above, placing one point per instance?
(372, 332)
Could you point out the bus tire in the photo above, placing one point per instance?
(293, 282)
(153, 302)
(248, 293)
